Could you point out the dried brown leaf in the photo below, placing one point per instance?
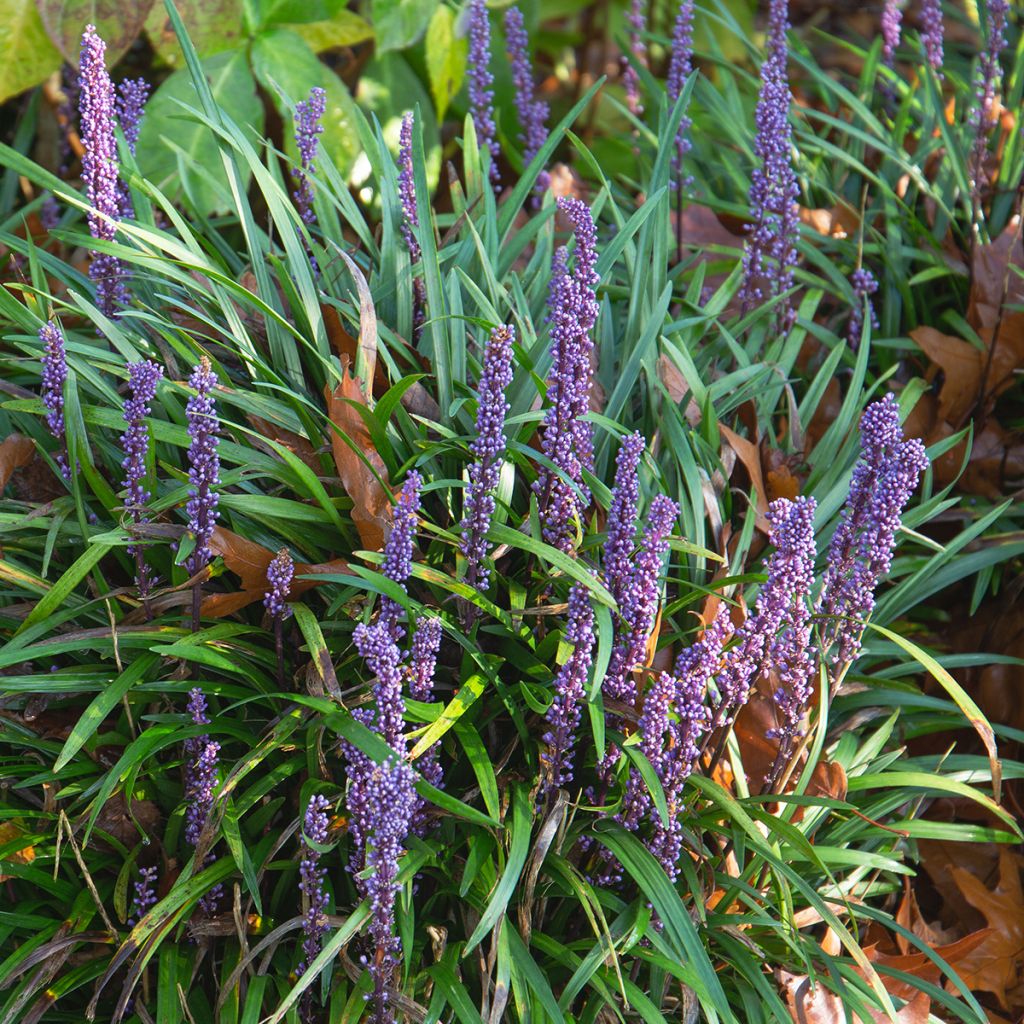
(354, 455)
(15, 451)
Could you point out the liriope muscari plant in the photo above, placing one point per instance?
(770, 252)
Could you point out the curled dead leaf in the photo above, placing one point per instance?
(15, 451)
(360, 467)
(249, 561)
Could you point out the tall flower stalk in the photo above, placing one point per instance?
(489, 448)
(398, 550)
(567, 438)
(426, 643)
(864, 286)
(201, 762)
(279, 584)
(481, 84)
(892, 19)
(55, 375)
(132, 95)
(203, 473)
(860, 553)
(533, 112)
(779, 606)
(570, 687)
(308, 129)
(411, 220)
(984, 111)
(311, 884)
(630, 79)
(932, 31)
(770, 252)
(143, 378)
(679, 70)
(100, 169)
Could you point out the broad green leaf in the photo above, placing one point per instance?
(399, 23)
(117, 24)
(446, 59)
(27, 55)
(167, 129)
(213, 26)
(287, 68)
(345, 28)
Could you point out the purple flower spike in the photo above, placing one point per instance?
(392, 808)
(864, 286)
(567, 437)
(100, 169)
(308, 114)
(630, 79)
(398, 549)
(892, 18)
(622, 518)
(489, 448)
(201, 755)
(279, 577)
(770, 252)
(132, 94)
(766, 639)
(311, 885)
(932, 31)
(563, 717)
(377, 648)
(533, 112)
(861, 550)
(144, 895)
(55, 374)
(639, 603)
(426, 642)
(481, 81)
(407, 189)
(983, 113)
(203, 462)
(143, 378)
(679, 70)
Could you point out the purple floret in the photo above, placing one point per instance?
(279, 579)
(203, 462)
(679, 70)
(481, 82)
(55, 374)
(567, 438)
(570, 686)
(533, 112)
(770, 253)
(489, 448)
(308, 114)
(860, 553)
(398, 550)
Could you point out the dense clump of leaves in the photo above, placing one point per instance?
(494, 612)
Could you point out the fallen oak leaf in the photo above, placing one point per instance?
(249, 561)
(816, 1004)
(995, 965)
(15, 451)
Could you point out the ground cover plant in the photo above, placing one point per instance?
(513, 567)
